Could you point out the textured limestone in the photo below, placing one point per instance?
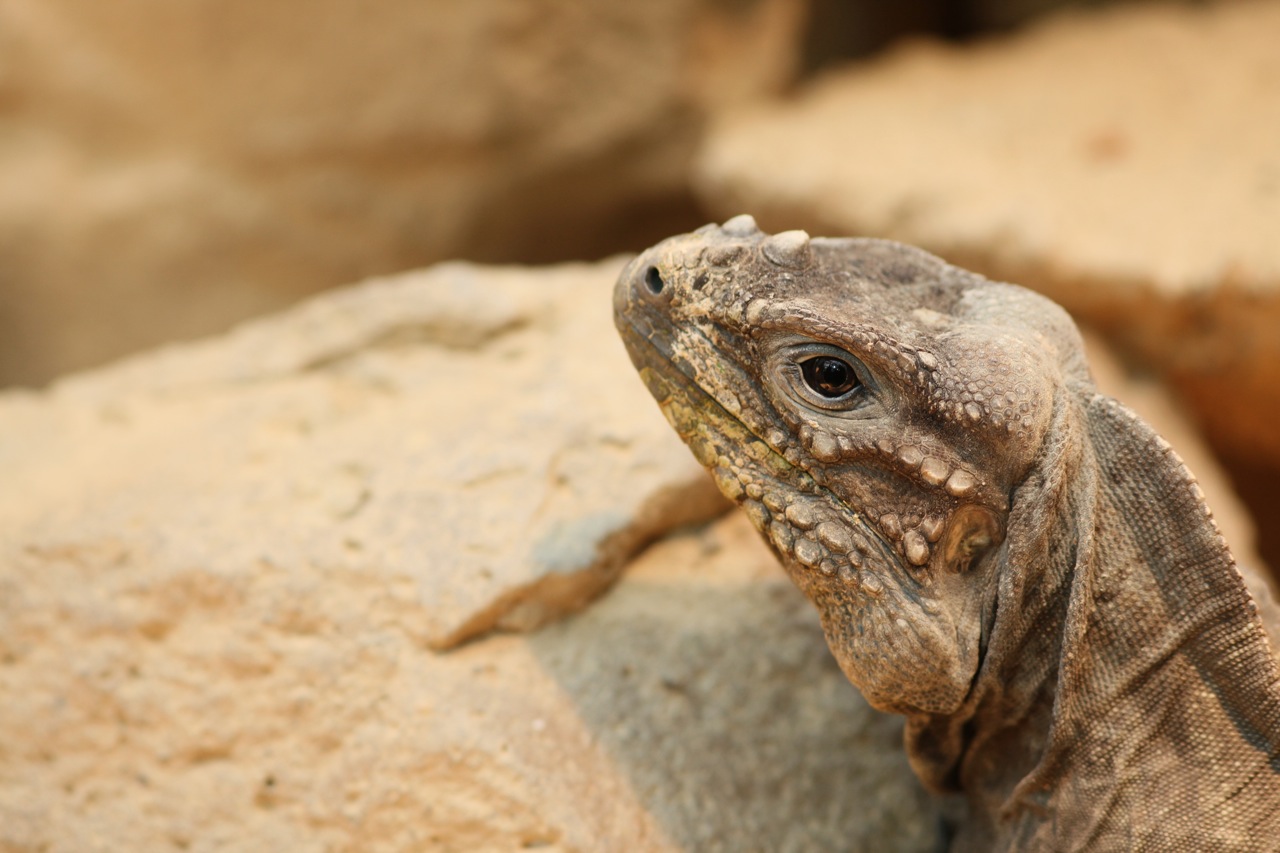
(1125, 163)
(471, 433)
(229, 572)
(171, 168)
(694, 707)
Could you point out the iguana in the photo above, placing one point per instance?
(997, 551)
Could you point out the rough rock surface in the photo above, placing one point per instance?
(432, 430)
(174, 167)
(1126, 163)
(694, 707)
(233, 575)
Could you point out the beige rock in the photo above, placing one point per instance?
(171, 168)
(471, 434)
(228, 569)
(153, 707)
(1125, 163)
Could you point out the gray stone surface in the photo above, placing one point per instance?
(708, 681)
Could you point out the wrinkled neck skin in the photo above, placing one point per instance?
(1123, 673)
(991, 747)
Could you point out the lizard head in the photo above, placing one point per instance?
(872, 409)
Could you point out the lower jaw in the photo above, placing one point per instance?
(745, 468)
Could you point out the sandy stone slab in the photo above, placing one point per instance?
(474, 433)
(694, 707)
(1126, 163)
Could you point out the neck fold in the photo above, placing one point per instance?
(1129, 696)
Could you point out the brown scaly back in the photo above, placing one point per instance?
(1011, 560)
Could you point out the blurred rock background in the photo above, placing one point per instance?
(249, 585)
(169, 169)
(172, 168)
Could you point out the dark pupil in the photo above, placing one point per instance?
(829, 376)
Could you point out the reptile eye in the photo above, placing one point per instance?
(653, 280)
(829, 376)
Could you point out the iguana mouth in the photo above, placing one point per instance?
(804, 521)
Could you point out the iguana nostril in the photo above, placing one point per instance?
(653, 281)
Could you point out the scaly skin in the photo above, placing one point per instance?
(1000, 553)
